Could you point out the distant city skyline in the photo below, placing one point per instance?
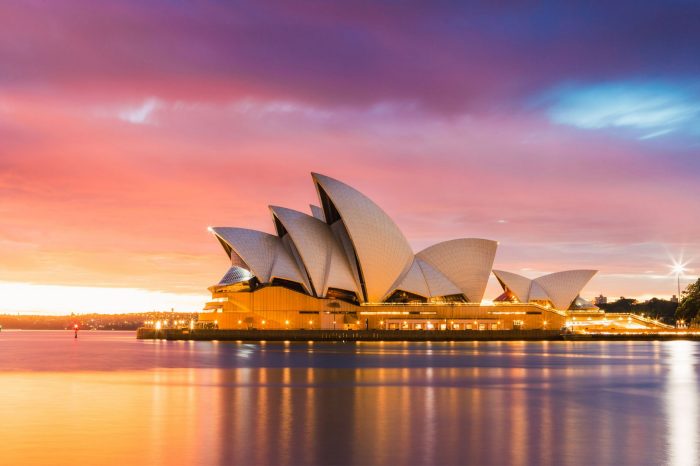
(567, 133)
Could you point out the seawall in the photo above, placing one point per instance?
(402, 335)
(347, 335)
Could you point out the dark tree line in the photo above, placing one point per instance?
(659, 309)
(689, 306)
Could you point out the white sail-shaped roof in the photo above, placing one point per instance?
(563, 287)
(261, 253)
(287, 268)
(414, 281)
(382, 251)
(319, 251)
(560, 288)
(438, 284)
(256, 248)
(339, 274)
(466, 262)
(341, 234)
(294, 255)
(517, 284)
(424, 280)
(235, 275)
(537, 293)
(317, 212)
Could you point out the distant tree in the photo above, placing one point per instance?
(621, 305)
(656, 308)
(690, 303)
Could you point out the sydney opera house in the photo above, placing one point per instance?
(349, 266)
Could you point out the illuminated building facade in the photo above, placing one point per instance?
(349, 266)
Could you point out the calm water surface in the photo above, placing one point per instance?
(110, 399)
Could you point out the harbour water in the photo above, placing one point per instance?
(107, 398)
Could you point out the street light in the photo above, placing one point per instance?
(678, 268)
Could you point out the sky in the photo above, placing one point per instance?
(568, 132)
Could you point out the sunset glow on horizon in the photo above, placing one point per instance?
(128, 128)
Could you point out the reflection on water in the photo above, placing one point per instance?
(682, 404)
(110, 399)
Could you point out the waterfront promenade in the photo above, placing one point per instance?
(345, 335)
(401, 335)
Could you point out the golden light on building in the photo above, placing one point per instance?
(305, 268)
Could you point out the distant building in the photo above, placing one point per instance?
(601, 300)
(674, 299)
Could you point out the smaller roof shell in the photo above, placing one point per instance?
(466, 262)
(563, 287)
(559, 288)
(414, 281)
(320, 252)
(261, 253)
(517, 284)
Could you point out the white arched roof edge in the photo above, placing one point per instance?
(317, 212)
(517, 284)
(319, 251)
(438, 284)
(466, 262)
(563, 287)
(255, 248)
(537, 293)
(262, 253)
(382, 250)
(286, 267)
(414, 282)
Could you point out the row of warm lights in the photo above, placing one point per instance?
(286, 322)
(429, 325)
(175, 322)
(158, 324)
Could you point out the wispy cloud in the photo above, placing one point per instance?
(141, 114)
(258, 108)
(648, 109)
